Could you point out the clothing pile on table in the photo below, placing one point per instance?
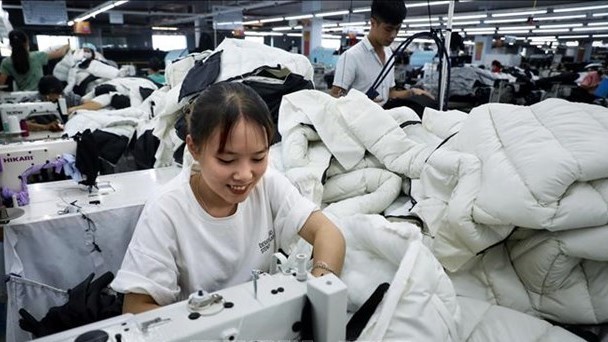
(512, 198)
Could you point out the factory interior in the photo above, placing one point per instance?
(304, 170)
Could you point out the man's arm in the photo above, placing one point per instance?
(402, 94)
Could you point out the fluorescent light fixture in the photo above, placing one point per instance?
(424, 4)
(256, 33)
(473, 22)
(329, 36)
(282, 28)
(329, 14)
(251, 22)
(561, 17)
(479, 29)
(500, 21)
(560, 26)
(422, 40)
(422, 25)
(468, 42)
(526, 27)
(462, 17)
(362, 9)
(574, 36)
(330, 25)
(597, 24)
(164, 28)
(555, 30)
(513, 14)
(597, 43)
(513, 31)
(271, 20)
(417, 20)
(572, 43)
(600, 14)
(108, 5)
(354, 23)
(594, 28)
(294, 35)
(296, 17)
(600, 36)
(542, 38)
(576, 9)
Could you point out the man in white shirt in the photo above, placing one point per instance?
(358, 67)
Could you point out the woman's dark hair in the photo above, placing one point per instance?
(497, 64)
(222, 105)
(50, 84)
(20, 56)
(389, 11)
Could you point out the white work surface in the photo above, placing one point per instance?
(47, 253)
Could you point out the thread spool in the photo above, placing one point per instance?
(301, 274)
(13, 124)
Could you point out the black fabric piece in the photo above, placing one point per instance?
(306, 327)
(81, 89)
(181, 127)
(417, 220)
(178, 155)
(104, 89)
(87, 157)
(408, 123)
(416, 102)
(359, 319)
(145, 92)
(144, 150)
(92, 147)
(203, 74)
(276, 72)
(88, 302)
(272, 94)
(119, 101)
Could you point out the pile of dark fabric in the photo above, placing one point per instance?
(88, 302)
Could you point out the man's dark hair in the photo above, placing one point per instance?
(155, 64)
(389, 11)
(50, 85)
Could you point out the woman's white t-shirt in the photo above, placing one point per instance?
(178, 248)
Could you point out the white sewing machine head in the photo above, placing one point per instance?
(268, 309)
(18, 96)
(23, 111)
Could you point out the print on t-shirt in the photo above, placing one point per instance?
(265, 245)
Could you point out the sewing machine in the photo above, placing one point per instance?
(17, 96)
(14, 113)
(17, 157)
(268, 308)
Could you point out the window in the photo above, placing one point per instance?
(168, 42)
(46, 43)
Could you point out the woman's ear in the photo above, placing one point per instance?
(192, 147)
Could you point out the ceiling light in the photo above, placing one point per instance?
(600, 14)
(512, 14)
(164, 28)
(573, 37)
(271, 20)
(296, 17)
(474, 22)
(479, 29)
(554, 30)
(462, 17)
(574, 43)
(513, 31)
(575, 9)
(600, 35)
(354, 23)
(251, 22)
(559, 26)
(499, 21)
(424, 4)
(597, 24)
(594, 28)
(294, 35)
(99, 9)
(329, 14)
(362, 9)
(422, 25)
(574, 16)
(282, 28)
(542, 38)
(417, 20)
